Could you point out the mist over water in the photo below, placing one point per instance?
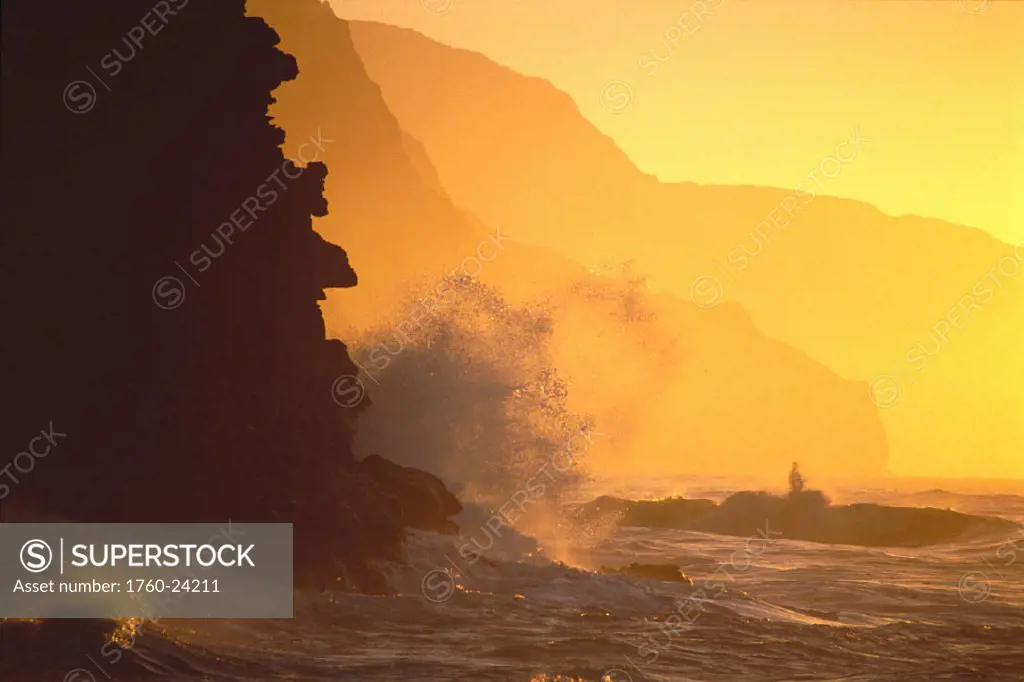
(601, 399)
(759, 608)
(472, 386)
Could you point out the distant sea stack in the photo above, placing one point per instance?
(164, 280)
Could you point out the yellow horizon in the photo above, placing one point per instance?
(729, 92)
(712, 100)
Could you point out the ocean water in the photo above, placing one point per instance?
(760, 608)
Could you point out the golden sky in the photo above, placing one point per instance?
(760, 91)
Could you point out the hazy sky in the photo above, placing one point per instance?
(761, 91)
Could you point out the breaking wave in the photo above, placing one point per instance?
(469, 379)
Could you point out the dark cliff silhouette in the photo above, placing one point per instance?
(383, 200)
(207, 397)
(736, 399)
(929, 307)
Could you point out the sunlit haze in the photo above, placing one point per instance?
(754, 92)
(512, 340)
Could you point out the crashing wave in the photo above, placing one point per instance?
(472, 384)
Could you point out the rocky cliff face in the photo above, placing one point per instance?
(924, 312)
(675, 387)
(165, 278)
(393, 217)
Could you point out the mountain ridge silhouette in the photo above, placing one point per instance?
(768, 397)
(873, 297)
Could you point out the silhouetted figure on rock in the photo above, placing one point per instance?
(796, 481)
(801, 500)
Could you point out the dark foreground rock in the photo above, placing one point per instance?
(805, 515)
(419, 499)
(667, 572)
(164, 280)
